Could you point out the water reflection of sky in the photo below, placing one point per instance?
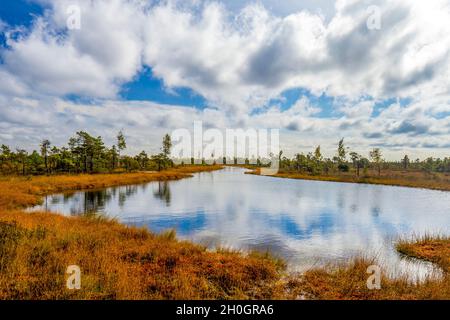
(306, 222)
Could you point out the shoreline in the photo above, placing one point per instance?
(21, 192)
(383, 181)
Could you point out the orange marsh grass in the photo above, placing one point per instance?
(431, 248)
(349, 282)
(412, 179)
(119, 262)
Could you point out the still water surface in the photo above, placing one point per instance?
(307, 223)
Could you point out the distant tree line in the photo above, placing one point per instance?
(83, 153)
(345, 161)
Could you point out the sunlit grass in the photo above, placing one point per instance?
(349, 282)
(433, 248)
(118, 262)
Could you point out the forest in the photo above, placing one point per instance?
(85, 153)
(346, 160)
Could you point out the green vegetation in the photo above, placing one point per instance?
(84, 153)
(313, 163)
(432, 173)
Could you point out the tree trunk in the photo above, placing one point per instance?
(91, 165)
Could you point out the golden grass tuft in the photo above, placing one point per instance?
(435, 249)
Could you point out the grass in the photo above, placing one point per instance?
(435, 249)
(121, 262)
(349, 282)
(413, 179)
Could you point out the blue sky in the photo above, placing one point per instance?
(145, 86)
(19, 12)
(313, 69)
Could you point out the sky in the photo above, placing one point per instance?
(376, 73)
